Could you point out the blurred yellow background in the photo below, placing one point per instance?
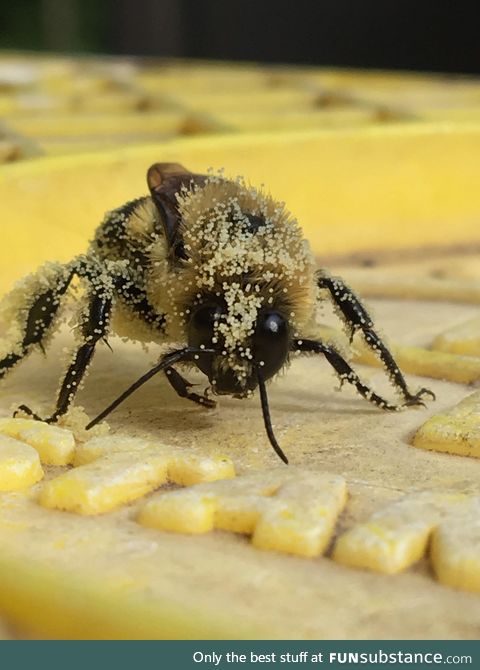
(367, 161)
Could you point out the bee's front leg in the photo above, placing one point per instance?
(181, 386)
(344, 371)
(356, 317)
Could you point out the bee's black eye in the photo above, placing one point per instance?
(202, 325)
(201, 331)
(271, 342)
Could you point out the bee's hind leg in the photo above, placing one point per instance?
(39, 313)
(356, 318)
(181, 386)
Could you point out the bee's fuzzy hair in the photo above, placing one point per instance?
(271, 265)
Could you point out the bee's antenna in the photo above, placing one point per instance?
(165, 362)
(266, 416)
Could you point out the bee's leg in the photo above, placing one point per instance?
(356, 318)
(93, 327)
(137, 300)
(181, 386)
(39, 313)
(345, 372)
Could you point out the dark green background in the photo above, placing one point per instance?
(411, 34)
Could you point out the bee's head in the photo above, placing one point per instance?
(235, 372)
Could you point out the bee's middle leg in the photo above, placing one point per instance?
(182, 386)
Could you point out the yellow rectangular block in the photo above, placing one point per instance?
(108, 445)
(191, 512)
(290, 511)
(60, 146)
(396, 537)
(106, 483)
(233, 505)
(455, 550)
(89, 126)
(187, 469)
(184, 467)
(389, 285)
(378, 547)
(55, 445)
(203, 78)
(304, 520)
(426, 363)
(454, 432)
(287, 120)
(267, 100)
(19, 465)
(463, 339)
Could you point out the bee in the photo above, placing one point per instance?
(213, 267)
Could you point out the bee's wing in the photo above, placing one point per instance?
(164, 181)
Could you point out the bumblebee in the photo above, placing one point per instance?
(209, 263)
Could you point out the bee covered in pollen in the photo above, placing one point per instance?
(212, 265)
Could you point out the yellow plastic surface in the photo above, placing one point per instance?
(325, 178)
(368, 162)
(68, 574)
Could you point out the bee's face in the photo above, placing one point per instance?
(230, 373)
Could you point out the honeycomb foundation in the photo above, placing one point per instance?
(66, 575)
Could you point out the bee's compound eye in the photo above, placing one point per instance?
(202, 325)
(271, 342)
